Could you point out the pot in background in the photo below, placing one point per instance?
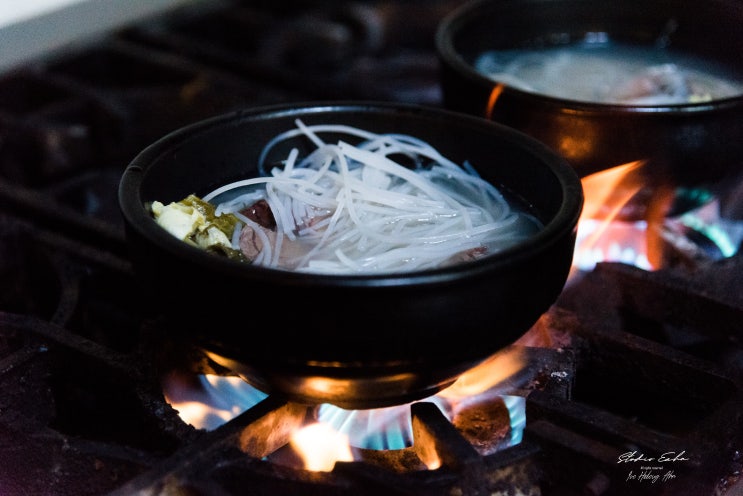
(358, 341)
(690, 141)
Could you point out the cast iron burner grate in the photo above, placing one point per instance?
(653, 363)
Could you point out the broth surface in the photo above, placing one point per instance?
(611, 72)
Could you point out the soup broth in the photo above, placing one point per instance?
(612, 73)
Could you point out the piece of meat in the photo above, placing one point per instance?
(657, 84)
(260, 213)
(467, 255)
(251, 244)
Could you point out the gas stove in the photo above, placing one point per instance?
(632, 383)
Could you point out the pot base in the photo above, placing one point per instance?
(359, 393)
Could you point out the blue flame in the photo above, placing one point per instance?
(517, 412)
(228, 394)
(391, 428)
(375, 429)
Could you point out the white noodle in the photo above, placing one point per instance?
(235, 240)
(346, 208)
(265, 242)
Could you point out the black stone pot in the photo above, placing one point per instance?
(358, 341)
(688, 142)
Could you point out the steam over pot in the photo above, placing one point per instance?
(358, 341)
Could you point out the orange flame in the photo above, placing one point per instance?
(197, 406)
(320, 446)
(609, 190)
(492, 99)
(485, 376)
(601, 237)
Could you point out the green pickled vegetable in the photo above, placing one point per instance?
(194, 221)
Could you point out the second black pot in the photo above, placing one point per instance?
(687, 142)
